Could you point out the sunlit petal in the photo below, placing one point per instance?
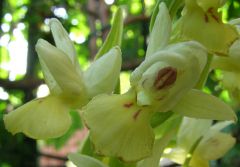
(197, 104)
(40, 118)
(103, 74)
(118, 127)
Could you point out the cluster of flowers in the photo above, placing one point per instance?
(164, 103)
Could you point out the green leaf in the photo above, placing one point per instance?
(114, 37)
(160, 117)
(161, 31)
(154, 15)
(197, 104)
(85, 161)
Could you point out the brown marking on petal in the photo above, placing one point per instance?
(136, 114)
(128, 105)
(206, 18)
(211, 12)
(165, 77)
(40, 101)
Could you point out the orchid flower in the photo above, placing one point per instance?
(202, 22)
(213, 144)
(70, 87)
(162, 82)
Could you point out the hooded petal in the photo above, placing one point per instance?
(197, 104)
(58, 69)
(185, 50)
(81, 160)
(124, 128)
(167, 75)
(42, 118)
(159, 37)
(103, 74)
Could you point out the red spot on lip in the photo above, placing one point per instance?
(136, 114)
(211, 12)
(128, 105)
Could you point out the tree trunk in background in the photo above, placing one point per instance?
(33, 32)
(104, 17)
(92, 13)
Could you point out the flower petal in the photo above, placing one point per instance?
(213, 34)
(190, 131)
(226, 64)
(214, 145)
(198, 161)
(197, 104)
(177, 155)
(161, 31)
(221, 125)
(42, 118)
(206, 4)
(81, 160)
(57, 64)
(118, 127)
(103, 74)
(62, 40)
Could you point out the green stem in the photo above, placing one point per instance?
(117, 89)
(189, 156)
(204, 75)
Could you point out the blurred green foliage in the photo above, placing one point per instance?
(87, 22)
